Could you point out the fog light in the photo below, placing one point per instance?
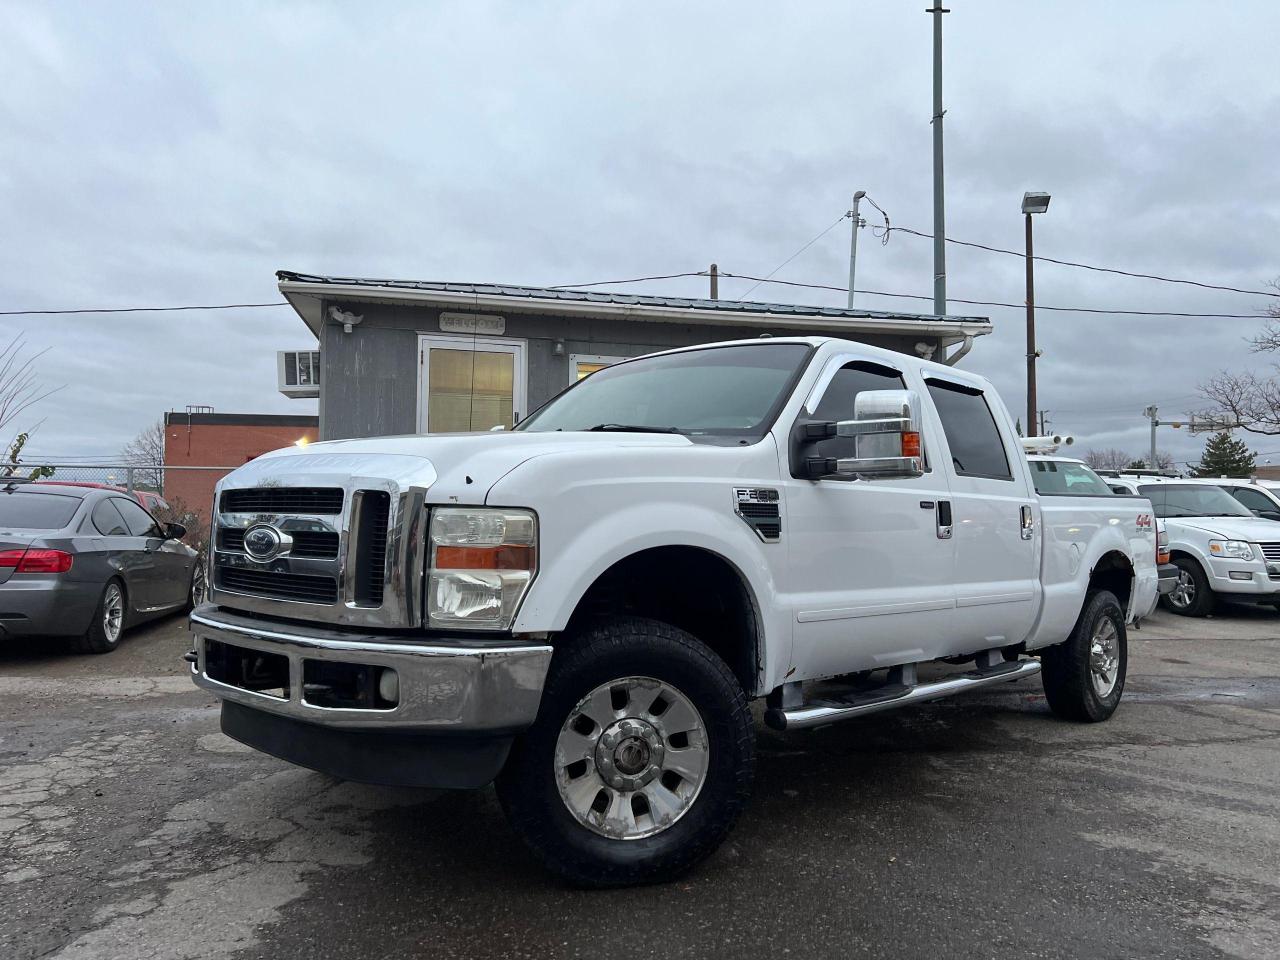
(389, 686)
(1240, 575)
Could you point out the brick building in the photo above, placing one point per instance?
(221, 442)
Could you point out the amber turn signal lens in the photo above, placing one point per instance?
(503, 557)
(911, 444)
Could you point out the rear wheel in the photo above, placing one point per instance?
(195, 596)
(640, 759)
(107, 626)
(1084, 676)
(1191, 595)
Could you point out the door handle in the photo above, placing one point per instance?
(1028, 522)
(944, 519)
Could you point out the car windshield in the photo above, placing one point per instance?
(1066, 476)
(1192, 500)
(25, 510)
(718, 392)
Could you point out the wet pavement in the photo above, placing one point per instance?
(975, 827)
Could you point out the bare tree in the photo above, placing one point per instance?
(145, 453)
(1247, 400)
(1108, 459)
(20, 389)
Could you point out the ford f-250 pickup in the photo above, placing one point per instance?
(583, 608)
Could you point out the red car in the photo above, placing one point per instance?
(150, 500)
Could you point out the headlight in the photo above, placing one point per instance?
(1231, 549)
(482, 561)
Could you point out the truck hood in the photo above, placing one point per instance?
(457, 466)
(1251, 529)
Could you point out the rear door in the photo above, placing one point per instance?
(996, 515)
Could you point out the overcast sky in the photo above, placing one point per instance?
(161, 154)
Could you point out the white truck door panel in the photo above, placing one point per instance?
(869, 576)
(996, 519)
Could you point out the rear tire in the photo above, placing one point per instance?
(1084, 676)
(107, 626)
(653, 785)
(1192, 596)
(196, 592)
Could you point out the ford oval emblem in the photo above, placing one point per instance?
(262, 542)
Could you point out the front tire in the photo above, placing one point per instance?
(640, 760)
(1084, 676)
(107, 626)
(1191, 596)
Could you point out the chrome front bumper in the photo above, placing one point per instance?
(454, 685)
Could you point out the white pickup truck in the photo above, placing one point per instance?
(583, 608)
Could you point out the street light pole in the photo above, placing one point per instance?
(1032, 203)
(1031, 329)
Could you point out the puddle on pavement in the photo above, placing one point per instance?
(1251, 691)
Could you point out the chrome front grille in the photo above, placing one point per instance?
(1271, 551)
(270, 583)
(348, 545)
(325, 501)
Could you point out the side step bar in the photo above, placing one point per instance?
(817, 713)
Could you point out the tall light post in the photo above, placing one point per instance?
(1032, 203)
(853, 241)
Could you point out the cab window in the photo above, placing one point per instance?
(140, 522)
(1066, 477)
(107, 520)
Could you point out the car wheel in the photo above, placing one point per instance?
(108, 623)
(640, 760)
(195, 596)
(1191, 595)
(1084, 676)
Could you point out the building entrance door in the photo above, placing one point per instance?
(470, 383)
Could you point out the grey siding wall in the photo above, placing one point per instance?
(369, 377)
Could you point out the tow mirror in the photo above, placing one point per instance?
(885, 428)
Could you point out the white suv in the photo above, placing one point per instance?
(1262, 499)
(1218, 545)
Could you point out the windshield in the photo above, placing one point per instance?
(24, 510)
(1066, 476)
(1192, 500)
(717, 392)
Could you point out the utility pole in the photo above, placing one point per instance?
(939, 206)
(853, 241)
(715, 282)
(1045, 422)
(1031, 323)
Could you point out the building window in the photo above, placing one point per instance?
(584, 364)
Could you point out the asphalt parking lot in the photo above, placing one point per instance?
(979, 827)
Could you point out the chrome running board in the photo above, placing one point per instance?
(820, 712)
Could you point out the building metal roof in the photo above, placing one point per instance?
(306, 291)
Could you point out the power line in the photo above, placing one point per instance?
(993, 303)
(1086, 266)
(216, 306)
(602, 283)
(842, 216)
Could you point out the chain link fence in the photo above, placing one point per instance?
(173, 494)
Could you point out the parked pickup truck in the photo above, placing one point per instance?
(583, 608)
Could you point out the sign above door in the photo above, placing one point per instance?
(482, 323)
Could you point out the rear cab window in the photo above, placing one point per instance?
(977, 447)
(29, 510)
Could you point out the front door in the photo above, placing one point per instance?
(470, 383)
(870, 563)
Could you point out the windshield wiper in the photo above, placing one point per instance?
(630, 428)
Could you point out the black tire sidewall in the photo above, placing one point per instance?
(630, 647)
(95, 639)
(1068, 682)
(1104, 604)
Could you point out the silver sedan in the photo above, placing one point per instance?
(87, 563)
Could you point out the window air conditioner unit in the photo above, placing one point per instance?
(299, 372)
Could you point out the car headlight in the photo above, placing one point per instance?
(482, 562)
(1231, 549)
